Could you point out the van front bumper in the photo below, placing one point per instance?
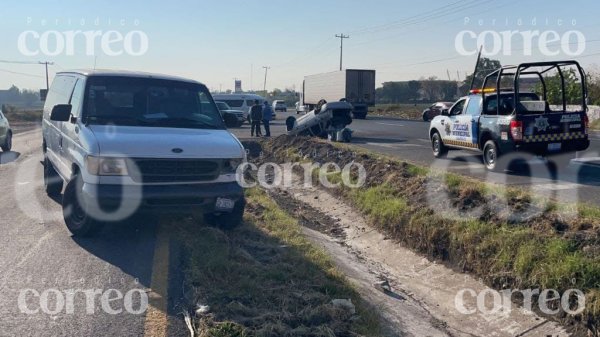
(164, 198)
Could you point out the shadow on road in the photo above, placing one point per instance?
(9, 157)
(532, 169)
(128, 245)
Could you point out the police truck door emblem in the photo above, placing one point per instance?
(448, 129)
(541, 123)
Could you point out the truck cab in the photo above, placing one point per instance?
(497, 122)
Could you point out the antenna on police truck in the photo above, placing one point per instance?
(476, 68)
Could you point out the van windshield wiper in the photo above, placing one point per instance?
(184, 121)
(139, 121)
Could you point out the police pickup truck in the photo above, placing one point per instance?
(504, 124)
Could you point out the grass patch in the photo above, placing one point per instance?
(265, 278)
(380, 204)
(15, 115)
(403, 110)
(519, 240)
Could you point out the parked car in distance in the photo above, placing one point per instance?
(240, 101)
(436, 110)
(279, 105)
(225, 109)
(5, 133)
(125, 142)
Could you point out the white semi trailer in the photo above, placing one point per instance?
(355, 86)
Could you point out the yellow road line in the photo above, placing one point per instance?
(156, 317)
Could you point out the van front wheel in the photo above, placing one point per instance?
(75, 210)
(52, 181)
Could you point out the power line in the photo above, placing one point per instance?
(17, 62)
(425, 16)
(20, 73)
(342, 37)
(417, 23)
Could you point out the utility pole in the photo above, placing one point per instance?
(47, 81)
(342, 37)
(265, 84)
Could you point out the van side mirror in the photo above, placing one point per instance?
(445, 112)
(61, 113)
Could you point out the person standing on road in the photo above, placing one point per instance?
(256, 115)
(267, 112)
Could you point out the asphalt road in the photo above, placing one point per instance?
(39, 256)
(408, 140)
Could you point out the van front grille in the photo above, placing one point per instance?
(174, 170)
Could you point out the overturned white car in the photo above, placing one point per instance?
(327, 120)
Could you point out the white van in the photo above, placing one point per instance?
(241, 102)
(127, 141)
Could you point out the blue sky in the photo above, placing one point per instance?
(216, 41)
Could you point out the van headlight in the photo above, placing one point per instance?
(106, 166)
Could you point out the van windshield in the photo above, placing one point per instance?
(150, 102)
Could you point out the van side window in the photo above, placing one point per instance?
(77, 98)
(60, 92)
(234, 103)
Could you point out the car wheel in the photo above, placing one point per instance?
(7, 146)
(227, 221)
(53, 183)
(425, 117)
(491, 157)
(439, 149)
(75, 212)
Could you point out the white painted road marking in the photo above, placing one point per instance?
(395, 145)
(389, 124)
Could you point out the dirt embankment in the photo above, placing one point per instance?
(507, 237)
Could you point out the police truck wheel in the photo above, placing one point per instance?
(439, 149)
(75, 212)
(491, 157)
